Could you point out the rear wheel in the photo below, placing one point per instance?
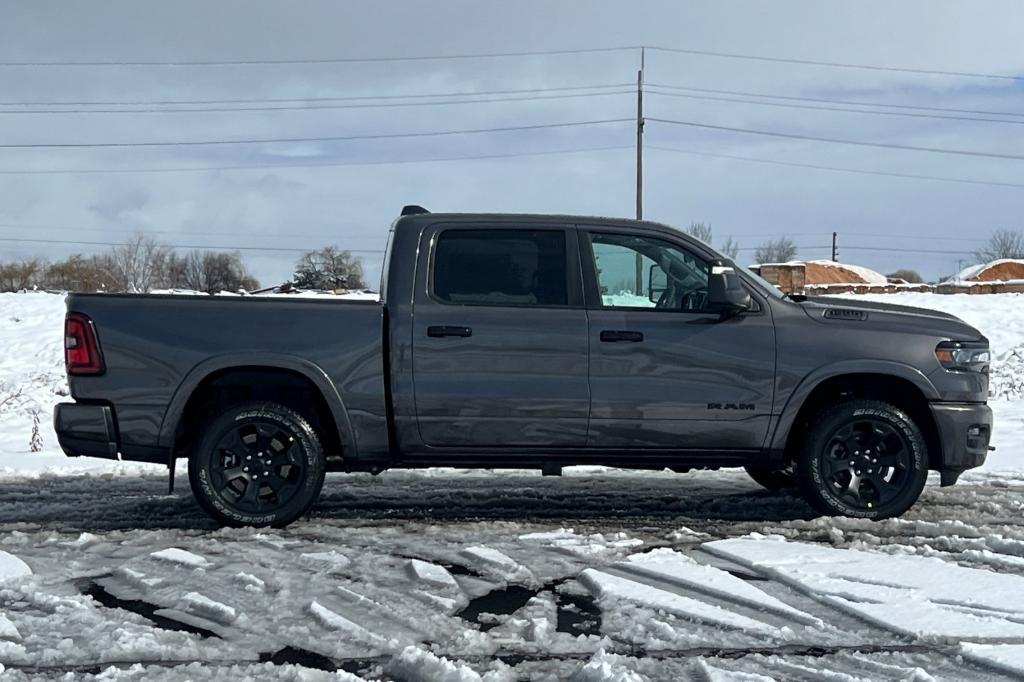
(259, 464)
(771, 478)
(863, 458)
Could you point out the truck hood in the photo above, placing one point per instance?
(923, 320)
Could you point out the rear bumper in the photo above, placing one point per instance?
(964, 433)
(86, 430)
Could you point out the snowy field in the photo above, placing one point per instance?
(456, 575)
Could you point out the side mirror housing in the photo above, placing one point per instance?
(657, 283)
(726, 292)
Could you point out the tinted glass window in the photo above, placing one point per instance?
(501, 267)
(643, 272)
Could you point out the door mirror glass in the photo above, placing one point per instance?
(657, 283)
(726, 292)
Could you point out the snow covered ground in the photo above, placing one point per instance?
(459, 575)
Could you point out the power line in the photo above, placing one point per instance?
(329, 60)
(350, 98)
(896, 250)
(179, 246)
(380, 251)
(822, 100)
(836, 140)
(798, 246)
(795, 164)
(524, 53)
(837, 65)
(339, 138)
(812, 107)
(930, 237)
(315, 107)
(330, 164)
(73, 228)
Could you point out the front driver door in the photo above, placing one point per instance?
(665, 370)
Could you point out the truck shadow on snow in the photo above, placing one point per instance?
(97, 503)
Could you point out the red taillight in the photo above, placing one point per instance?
(81, 350)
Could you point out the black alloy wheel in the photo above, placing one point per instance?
(257, 465)
(863, 458)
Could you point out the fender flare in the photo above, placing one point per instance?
(815, 378)
(311, 371)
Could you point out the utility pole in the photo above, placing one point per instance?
(640, 139)
(835, 250)
(640, 166)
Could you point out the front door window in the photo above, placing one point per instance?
(645, 272)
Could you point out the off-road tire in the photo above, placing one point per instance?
(205, 465)
(823, 436)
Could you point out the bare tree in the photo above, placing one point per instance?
(701, 231)
(211, 272)
(730, 248)
(1002, 244)
(10, 398)
(778, 250)
(19, 275)
(80, 273)
(329, 268)
(35, 441)
(140, 265)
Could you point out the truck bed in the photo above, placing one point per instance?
(156, 348)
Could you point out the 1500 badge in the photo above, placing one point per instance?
(732, 406)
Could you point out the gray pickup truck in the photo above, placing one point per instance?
(529, 341)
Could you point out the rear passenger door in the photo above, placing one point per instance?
(499, 342)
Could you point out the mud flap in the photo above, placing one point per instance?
(948, 477)
(170, 473)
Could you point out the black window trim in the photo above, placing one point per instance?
(573, 271)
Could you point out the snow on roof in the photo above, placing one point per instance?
(837, 273)
(1001, 270)
(789, 262)
(867, 274)
(968, 272)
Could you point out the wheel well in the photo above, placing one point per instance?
(233, 386)
(891, 389)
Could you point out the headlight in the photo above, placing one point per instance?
(963, 356)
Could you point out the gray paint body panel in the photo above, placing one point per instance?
(531, 384)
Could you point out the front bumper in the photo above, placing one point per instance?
(964, 432)
(86, 430)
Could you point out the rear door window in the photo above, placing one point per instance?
(500, 267)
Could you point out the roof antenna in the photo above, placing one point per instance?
(413, 209)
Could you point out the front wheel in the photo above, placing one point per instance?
(259, 464)
(863, 458)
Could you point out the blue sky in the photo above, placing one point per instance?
(352, 205)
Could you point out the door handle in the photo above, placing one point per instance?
(611, 336)
(441, 331)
